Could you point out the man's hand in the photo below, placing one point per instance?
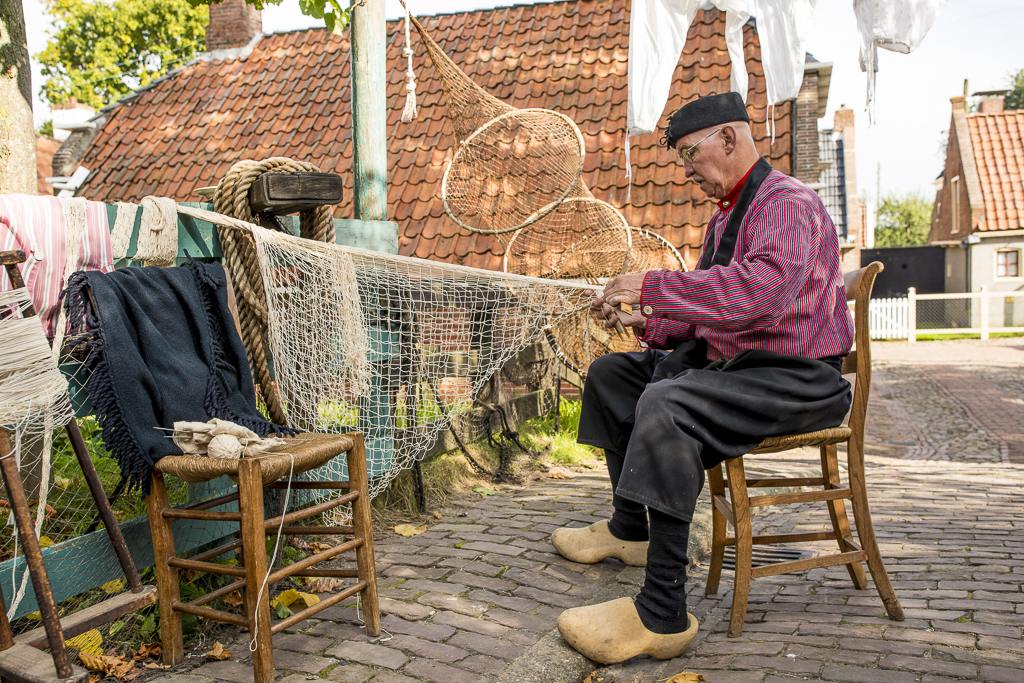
(624, 289)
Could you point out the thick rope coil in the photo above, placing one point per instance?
(232, 199)
(121, 235)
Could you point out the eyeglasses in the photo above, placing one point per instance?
(687, 154)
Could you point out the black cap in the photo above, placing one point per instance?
(704, 112)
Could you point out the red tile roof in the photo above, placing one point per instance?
(998, 143)
(290, 97)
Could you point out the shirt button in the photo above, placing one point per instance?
(725, 204)
(648, 310)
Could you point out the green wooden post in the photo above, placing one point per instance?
(369, 110)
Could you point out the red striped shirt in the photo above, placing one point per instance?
(782, 292)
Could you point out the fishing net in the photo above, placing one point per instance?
(510, 166)
(387, 345)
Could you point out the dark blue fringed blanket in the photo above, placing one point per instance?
(161, 347)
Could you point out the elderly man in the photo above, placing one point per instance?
(758, 332)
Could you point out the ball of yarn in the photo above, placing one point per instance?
(224, 446)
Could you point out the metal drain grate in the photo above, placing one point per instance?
(759, 557)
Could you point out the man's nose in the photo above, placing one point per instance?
(687, 168)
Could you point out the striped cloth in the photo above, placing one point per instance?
(782, 292)
(38, 226)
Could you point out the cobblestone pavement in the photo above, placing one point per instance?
(483, 587)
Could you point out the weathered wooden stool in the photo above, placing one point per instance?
(254, 475)
(735, 509)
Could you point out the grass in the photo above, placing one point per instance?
(966, 335)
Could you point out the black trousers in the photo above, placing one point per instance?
(663, 418)
(669, 416)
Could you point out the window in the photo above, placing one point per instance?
(1008, 263)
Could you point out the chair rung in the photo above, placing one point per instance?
(317, 530)
(305, 513)
(809, 497)
(215, 614)
(293, 569)
(810, 563)
(722, 505)
(322, 605)
(310, 485)
(215, 502)
(209, 515)
(211, 567)
(791, 481)
(788, 538)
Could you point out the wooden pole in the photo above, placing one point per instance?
(369, 110)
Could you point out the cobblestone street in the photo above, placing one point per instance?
(475, 598)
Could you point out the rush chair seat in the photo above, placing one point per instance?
(735, 509)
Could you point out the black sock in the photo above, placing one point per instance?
(629, 520)
(661, 603)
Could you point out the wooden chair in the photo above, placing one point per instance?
(736, 508)
(254, 475)
(271, 471)
(22, 659)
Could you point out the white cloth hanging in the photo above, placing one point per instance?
(782, 28)
(896, 25)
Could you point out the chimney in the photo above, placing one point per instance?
(233, 24)
(959, 103)
(69, 114)
(844, 120)
(992, 105)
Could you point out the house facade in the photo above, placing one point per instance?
(978, 215)
(255, 95)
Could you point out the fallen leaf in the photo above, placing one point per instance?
(111, 665)
(283, 612)
(115, 586)
(155, 665)
(300, 544)
(93, 678)
(147, 650)
(409, 529)
(234, 598)
(559, 475)
(218, 652)
(45, 541)
(590, 677)
(319, 547)
(34, 616)
(437, 515)
(324, 584)
(483, 490)
(89, 642)
(62, 482)
(291, 595)
(684, 677)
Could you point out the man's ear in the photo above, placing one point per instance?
(729, 139)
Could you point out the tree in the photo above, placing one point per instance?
(102, 50)
(1015, 98)
(17, 137)
(903, 221)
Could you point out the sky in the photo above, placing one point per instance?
(978, 40)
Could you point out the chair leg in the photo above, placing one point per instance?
(719, 527)
(866, 531)
(254, 548)
(744, 544)
(837, 511)
(33, 557)
(162, 531)
(363, 527)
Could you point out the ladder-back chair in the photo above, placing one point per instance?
(735, 509)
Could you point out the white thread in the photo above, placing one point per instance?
(277, 543)
(158, 233)
(629, 174)
(121, 235)
(409, 113)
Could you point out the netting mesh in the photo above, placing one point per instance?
(389, 345)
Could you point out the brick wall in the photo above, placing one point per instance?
(844, 124)
(232, 24)
(992, 105)
(805, 140)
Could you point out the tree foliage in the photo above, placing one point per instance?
(1015, 98)
(101, 50)
(903, 221)
(334, 15)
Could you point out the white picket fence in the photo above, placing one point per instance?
(898, 318)
(888, 318)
